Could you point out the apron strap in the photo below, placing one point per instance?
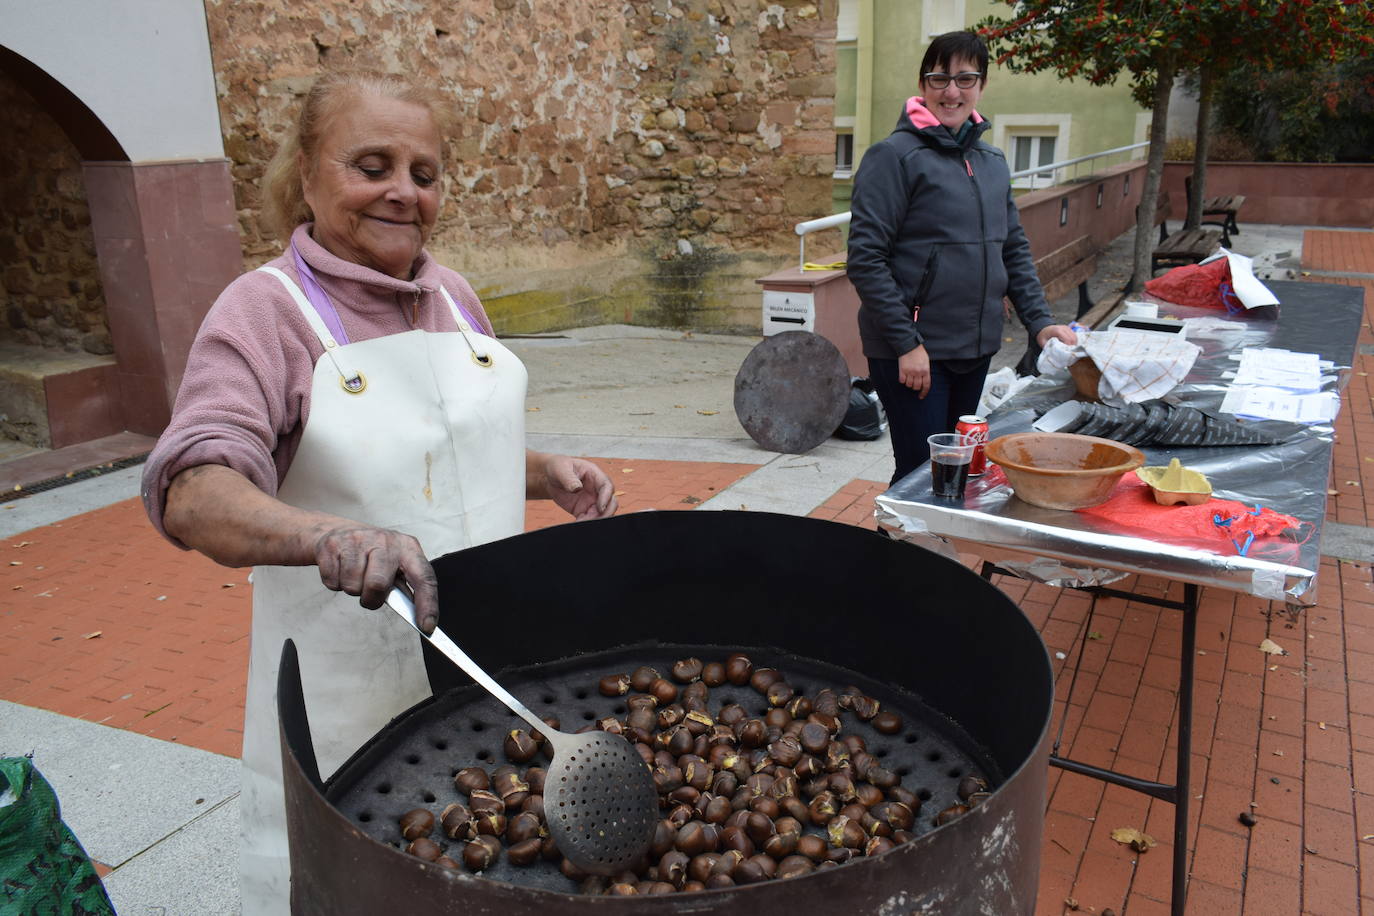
(481, 355)
(351, 380)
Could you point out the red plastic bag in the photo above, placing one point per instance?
(1205, 286)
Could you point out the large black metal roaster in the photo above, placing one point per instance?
(896, 614)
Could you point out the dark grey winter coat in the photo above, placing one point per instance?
(935, 234)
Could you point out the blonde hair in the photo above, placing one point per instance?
(284, 206)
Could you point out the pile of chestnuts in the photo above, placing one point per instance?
(744, 798)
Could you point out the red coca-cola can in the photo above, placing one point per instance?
(975, 428)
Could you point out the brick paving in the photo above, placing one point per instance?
(102, 620)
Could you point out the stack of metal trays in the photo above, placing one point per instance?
(1154, 422)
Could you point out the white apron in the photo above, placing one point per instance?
(432, 445)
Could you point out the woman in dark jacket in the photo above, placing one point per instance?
(934, 245)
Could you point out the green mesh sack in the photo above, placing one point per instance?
(43, 869)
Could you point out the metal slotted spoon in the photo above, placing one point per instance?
(600, 802)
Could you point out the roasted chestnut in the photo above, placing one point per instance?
(642, 677)
(826, 702)
(519, 746)
(779, 693)
(481, 853)
(887, 722)
(713, 674)
(811, 846)
(971, 784)
(673, 868)
(614, 685)
(823, 809)
(492, 824)
(865, 707)
(524, 826)
(877, 844)
(794, 866)
(469, 778)
(699, 869)
(524, 852)
(845, 831)
(686, 670)
(485, 801)
(738, 669)
(763, 678)
(458, 823)
(663, 690)
(953, 812)
(424, 848)
(416, 823)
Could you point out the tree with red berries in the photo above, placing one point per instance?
(1269, 37)
(1155, 40)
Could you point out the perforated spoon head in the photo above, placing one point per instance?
(599, 796)
(599, 801)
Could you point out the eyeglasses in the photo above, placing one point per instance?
(966, 80)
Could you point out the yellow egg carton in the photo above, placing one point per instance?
(1176, 484)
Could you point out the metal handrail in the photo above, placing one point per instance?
(841, 219)
(1051, 166)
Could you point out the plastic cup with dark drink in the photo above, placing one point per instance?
(950, 454)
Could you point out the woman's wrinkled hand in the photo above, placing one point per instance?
(365, 561)
(913, 370)
(578, 486)
(1056, 332)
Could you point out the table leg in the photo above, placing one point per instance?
(1176, 793)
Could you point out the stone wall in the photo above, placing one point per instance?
(49, 280)
(640, 161)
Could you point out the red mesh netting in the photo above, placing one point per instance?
(1205, 286)
(1132, 506)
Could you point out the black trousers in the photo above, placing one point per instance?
(955, 387)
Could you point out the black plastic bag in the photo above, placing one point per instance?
(865, 418)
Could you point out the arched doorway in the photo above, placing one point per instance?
(126, 230)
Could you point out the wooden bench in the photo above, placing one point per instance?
(1226, 207)
(1070, 266)
(1187, 246)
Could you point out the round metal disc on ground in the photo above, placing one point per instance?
(792, 391)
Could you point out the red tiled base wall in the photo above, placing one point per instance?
(1289, 193)
(83, 405)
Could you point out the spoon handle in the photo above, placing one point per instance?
(400, 602)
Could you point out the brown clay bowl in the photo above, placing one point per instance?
(1062, 470)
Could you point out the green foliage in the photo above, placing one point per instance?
(1225, 147)
(1097, 40)
(1321, 113)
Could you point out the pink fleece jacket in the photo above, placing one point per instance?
(245, 396)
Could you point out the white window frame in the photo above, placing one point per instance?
(1038, 179)
(847, 22)
(844, 130)
(1142, 129)
(1007, 126)
(941, 16)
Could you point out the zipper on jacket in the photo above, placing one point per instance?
(415, 309)
(926, 280)
(983, 249)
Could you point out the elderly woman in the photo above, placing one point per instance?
(347, 412)
(934, 244)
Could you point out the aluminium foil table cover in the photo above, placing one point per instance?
(1076, 549)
